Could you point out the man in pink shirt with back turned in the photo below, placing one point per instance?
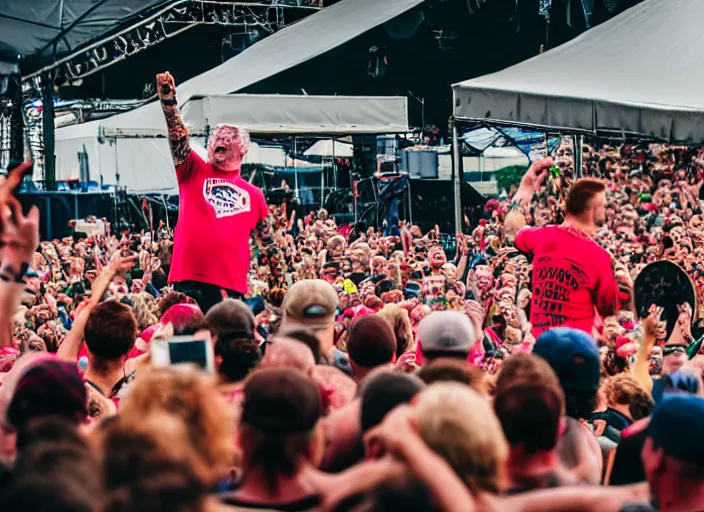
(574, 278)
(218, 210)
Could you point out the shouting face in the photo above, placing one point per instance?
(436, 257)
(227, 147)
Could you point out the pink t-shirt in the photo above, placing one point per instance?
(572, 278)
(217, 213)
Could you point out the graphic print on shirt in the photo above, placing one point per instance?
(555, 279)
(226, 198)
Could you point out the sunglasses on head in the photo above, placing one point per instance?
(674, 349)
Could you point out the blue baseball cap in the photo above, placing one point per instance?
(573, 355)
(675, 382)
(676, 426)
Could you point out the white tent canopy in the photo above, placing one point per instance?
(293, 45)
(640, 73)
(275, 114)
(329, 147)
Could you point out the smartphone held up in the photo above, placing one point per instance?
(183, 350)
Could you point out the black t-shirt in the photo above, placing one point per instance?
(613, 418)
(628, 467)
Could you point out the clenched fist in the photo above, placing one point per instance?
(165, 86)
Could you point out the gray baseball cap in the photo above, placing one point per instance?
(446, 331)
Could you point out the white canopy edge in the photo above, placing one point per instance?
(605, 79)
(288, 114)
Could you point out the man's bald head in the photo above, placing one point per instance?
(285, 352)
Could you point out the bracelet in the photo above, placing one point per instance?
(169, 101)
(8, 274)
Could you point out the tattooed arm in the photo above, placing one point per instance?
(178, 133)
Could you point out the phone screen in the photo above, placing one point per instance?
(179, 350)
(193, 352)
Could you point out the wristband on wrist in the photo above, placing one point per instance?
(9, 275)
(169, 101)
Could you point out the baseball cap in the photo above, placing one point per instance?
(371, 342)
(446, 331)
(675, 420)
(48, 387)
(231, 317)
(574, 356)
(311, 302)
(281, 401)
(675, 382)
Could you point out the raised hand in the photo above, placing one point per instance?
(120, 264)
(654, 328)
(19, 234)
(165, 86)
(532, 180)
(178, 133)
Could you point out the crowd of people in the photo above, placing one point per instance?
(368, 372)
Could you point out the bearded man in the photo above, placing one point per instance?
(218, 210)
(574, 278)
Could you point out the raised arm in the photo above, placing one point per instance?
(178, 133)
(19, 238)
(71, 347)
(530, 184)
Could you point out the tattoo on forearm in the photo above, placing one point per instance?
(178, 134)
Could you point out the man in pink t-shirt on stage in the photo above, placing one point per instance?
(573, 278)
(218, 210)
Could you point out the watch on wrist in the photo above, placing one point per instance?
(169, 101)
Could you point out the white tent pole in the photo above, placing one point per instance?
(457, 176)
(578, 155)
(116, 189)
(334, 167)
(295, 171)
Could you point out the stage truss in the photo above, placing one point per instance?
(160, 26)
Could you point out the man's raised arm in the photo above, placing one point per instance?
(178, 133)
(530, 184)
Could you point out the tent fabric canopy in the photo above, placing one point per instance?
(639, 73)
(274, 114)
(54, 28)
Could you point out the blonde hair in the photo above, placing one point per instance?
(459, 424)
(142, 312)
(399, 320)
(622, 389)
(193, 398)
